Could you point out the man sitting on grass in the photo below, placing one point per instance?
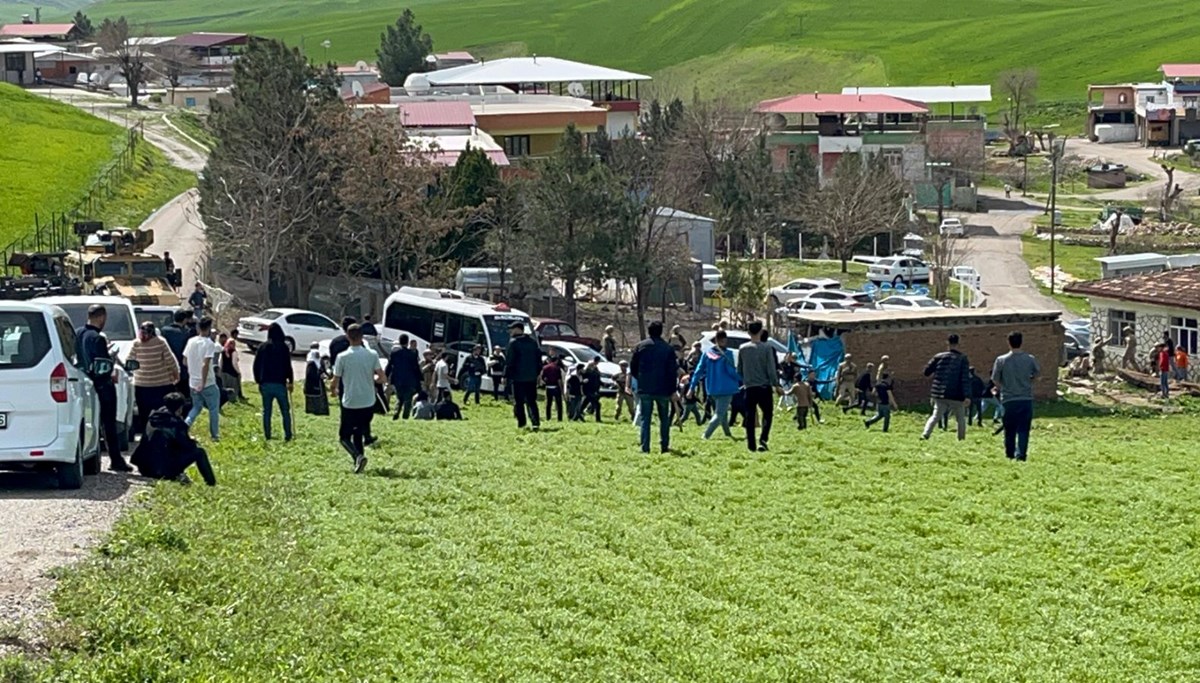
(167, 449)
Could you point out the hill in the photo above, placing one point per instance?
(775, 46)
(51, 153)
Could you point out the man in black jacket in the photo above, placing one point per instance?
(404, 374)
(177, 335)
(951, 390)
(167, 449)
(656, 368)
(524, 364)
(98, 363)
(591, 389)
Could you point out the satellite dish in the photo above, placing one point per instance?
(356, 88)
(576, 89)
(777, 122)
(430, 59)
(416, 83)
(361, 65)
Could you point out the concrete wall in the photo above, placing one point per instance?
(910, 350)
(24, 76)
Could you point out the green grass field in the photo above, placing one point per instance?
(725, 46)
(50, 154)
(472, 551)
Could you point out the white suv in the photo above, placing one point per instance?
(49, 412)
(121, 331)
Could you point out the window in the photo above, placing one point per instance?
(417, 322)
(306, 320)
(1117, 322)
(516, 145)
(1186, 333)
(1150, 99)
(894, 159)
(549, 331)
(23, 340)
(120, 326)
(66, 336)
(1121, 99)
(14, 61)
(150, 268)
(565, 330)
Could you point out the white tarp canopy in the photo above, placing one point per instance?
(25, 46)
(528, 70)
(931, 94)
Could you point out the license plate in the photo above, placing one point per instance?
(247, 326)
(3, 420)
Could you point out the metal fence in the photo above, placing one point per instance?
(54, 231)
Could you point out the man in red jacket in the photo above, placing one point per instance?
(1164, 369)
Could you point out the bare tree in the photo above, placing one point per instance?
(1171, 192)
(174, 62)
(122, 41)
(1019, 88)
(861, 198)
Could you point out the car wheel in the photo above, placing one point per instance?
(290, 344)
(898, 280)
(70, 474)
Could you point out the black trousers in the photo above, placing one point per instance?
(107, 392)
(554, 398)
(497, 382)
(758, 398)
(525, 401)
(591, 404)
(198, 457)
(355, 425)
(404, 399)
(148, 400)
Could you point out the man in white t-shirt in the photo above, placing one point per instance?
(441, 374)
(199, 354)
(356, 372)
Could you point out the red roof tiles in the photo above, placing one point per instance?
(1175, 288)
(825, 103)
(35, 30)
(436, 114)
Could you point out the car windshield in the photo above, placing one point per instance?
(118, 328)
(585, 354)
(160, 318)
(927, 303)
(711, 270)
(497, 327)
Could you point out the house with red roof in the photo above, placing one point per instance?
(57, 34)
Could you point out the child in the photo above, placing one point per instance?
(885, 401)
(424, 409)
(802, 395)
(574, 395)
(691, 404)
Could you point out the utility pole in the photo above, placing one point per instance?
(1056, 151)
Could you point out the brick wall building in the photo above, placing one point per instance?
(912, 338)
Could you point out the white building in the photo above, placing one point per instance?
(1149, 304)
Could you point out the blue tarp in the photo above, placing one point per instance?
(824, 356)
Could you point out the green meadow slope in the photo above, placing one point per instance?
(755, 48)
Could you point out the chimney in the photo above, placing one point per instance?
(816, 95)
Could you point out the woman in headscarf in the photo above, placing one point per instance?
(316, 402)
(273, 375)
(157, 373)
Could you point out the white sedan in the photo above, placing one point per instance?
(802, 288)
(712, 278)
(817, 305)
(907, 303)
(842, 296)
(300, 328)
(573, 353)
(952, 227)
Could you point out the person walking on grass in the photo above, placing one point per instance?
(355, 374)
(864, 388)
(497, 364)
(591, 388)
(441, 376)
(202, 374)
(473, 370)
(802, 396)
(689, 402)
(718, 373)
(552, 380)
(404, 373)
(1166, 358)
(885, 401)
(951, 390)
(1013, 374)
(624, 397)
(575, 394)
(274, 377)
(654, 366)
(608, 346)
(156, 376)
(977, 394)
(757, 366)
(231, 374)
(524, 364)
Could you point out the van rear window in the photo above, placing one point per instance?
(24, 341)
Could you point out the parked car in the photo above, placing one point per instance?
(300, 328)
(967, 274)
(1073, 347)
(370, 341)
(49, 411)
(952, 227)
(573, 353)
(121, 331)
(902, 302)
(161, 316)
(898, 270)
(712, 278)
(549, 329)
(800, 289)
(816, 305)
(843, 296)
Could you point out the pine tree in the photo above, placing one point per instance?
(84, 26)
(403, 49)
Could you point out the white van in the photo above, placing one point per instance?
(49, 412)
(121, 331)
(448, 320)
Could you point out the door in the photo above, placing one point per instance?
(84, 402)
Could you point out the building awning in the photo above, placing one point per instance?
(29, 47)
(528, 70)
(1180, 70)
(202, 39)
(930, 94)
(826, 103)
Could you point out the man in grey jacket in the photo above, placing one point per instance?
(757, 365)
(1013, 374)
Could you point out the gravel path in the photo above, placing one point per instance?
(46, 528)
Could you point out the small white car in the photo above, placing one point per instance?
(712, 278)
(898, 270)
(800, 289)
(843, 296)
(573, 354)
(49, 411)
(300, 328)
(952, 227)
(817, 305)
(901, 302)
(967, 274)
(121, 331)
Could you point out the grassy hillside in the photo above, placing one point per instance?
(49, 155)
(471, 551)
(916, 42)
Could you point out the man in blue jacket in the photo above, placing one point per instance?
(721, 381)
(655, 367)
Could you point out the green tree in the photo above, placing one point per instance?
(84, 26)
(267, 195)
(473, 181)
(403, 48)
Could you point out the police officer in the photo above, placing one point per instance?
(100, 367)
